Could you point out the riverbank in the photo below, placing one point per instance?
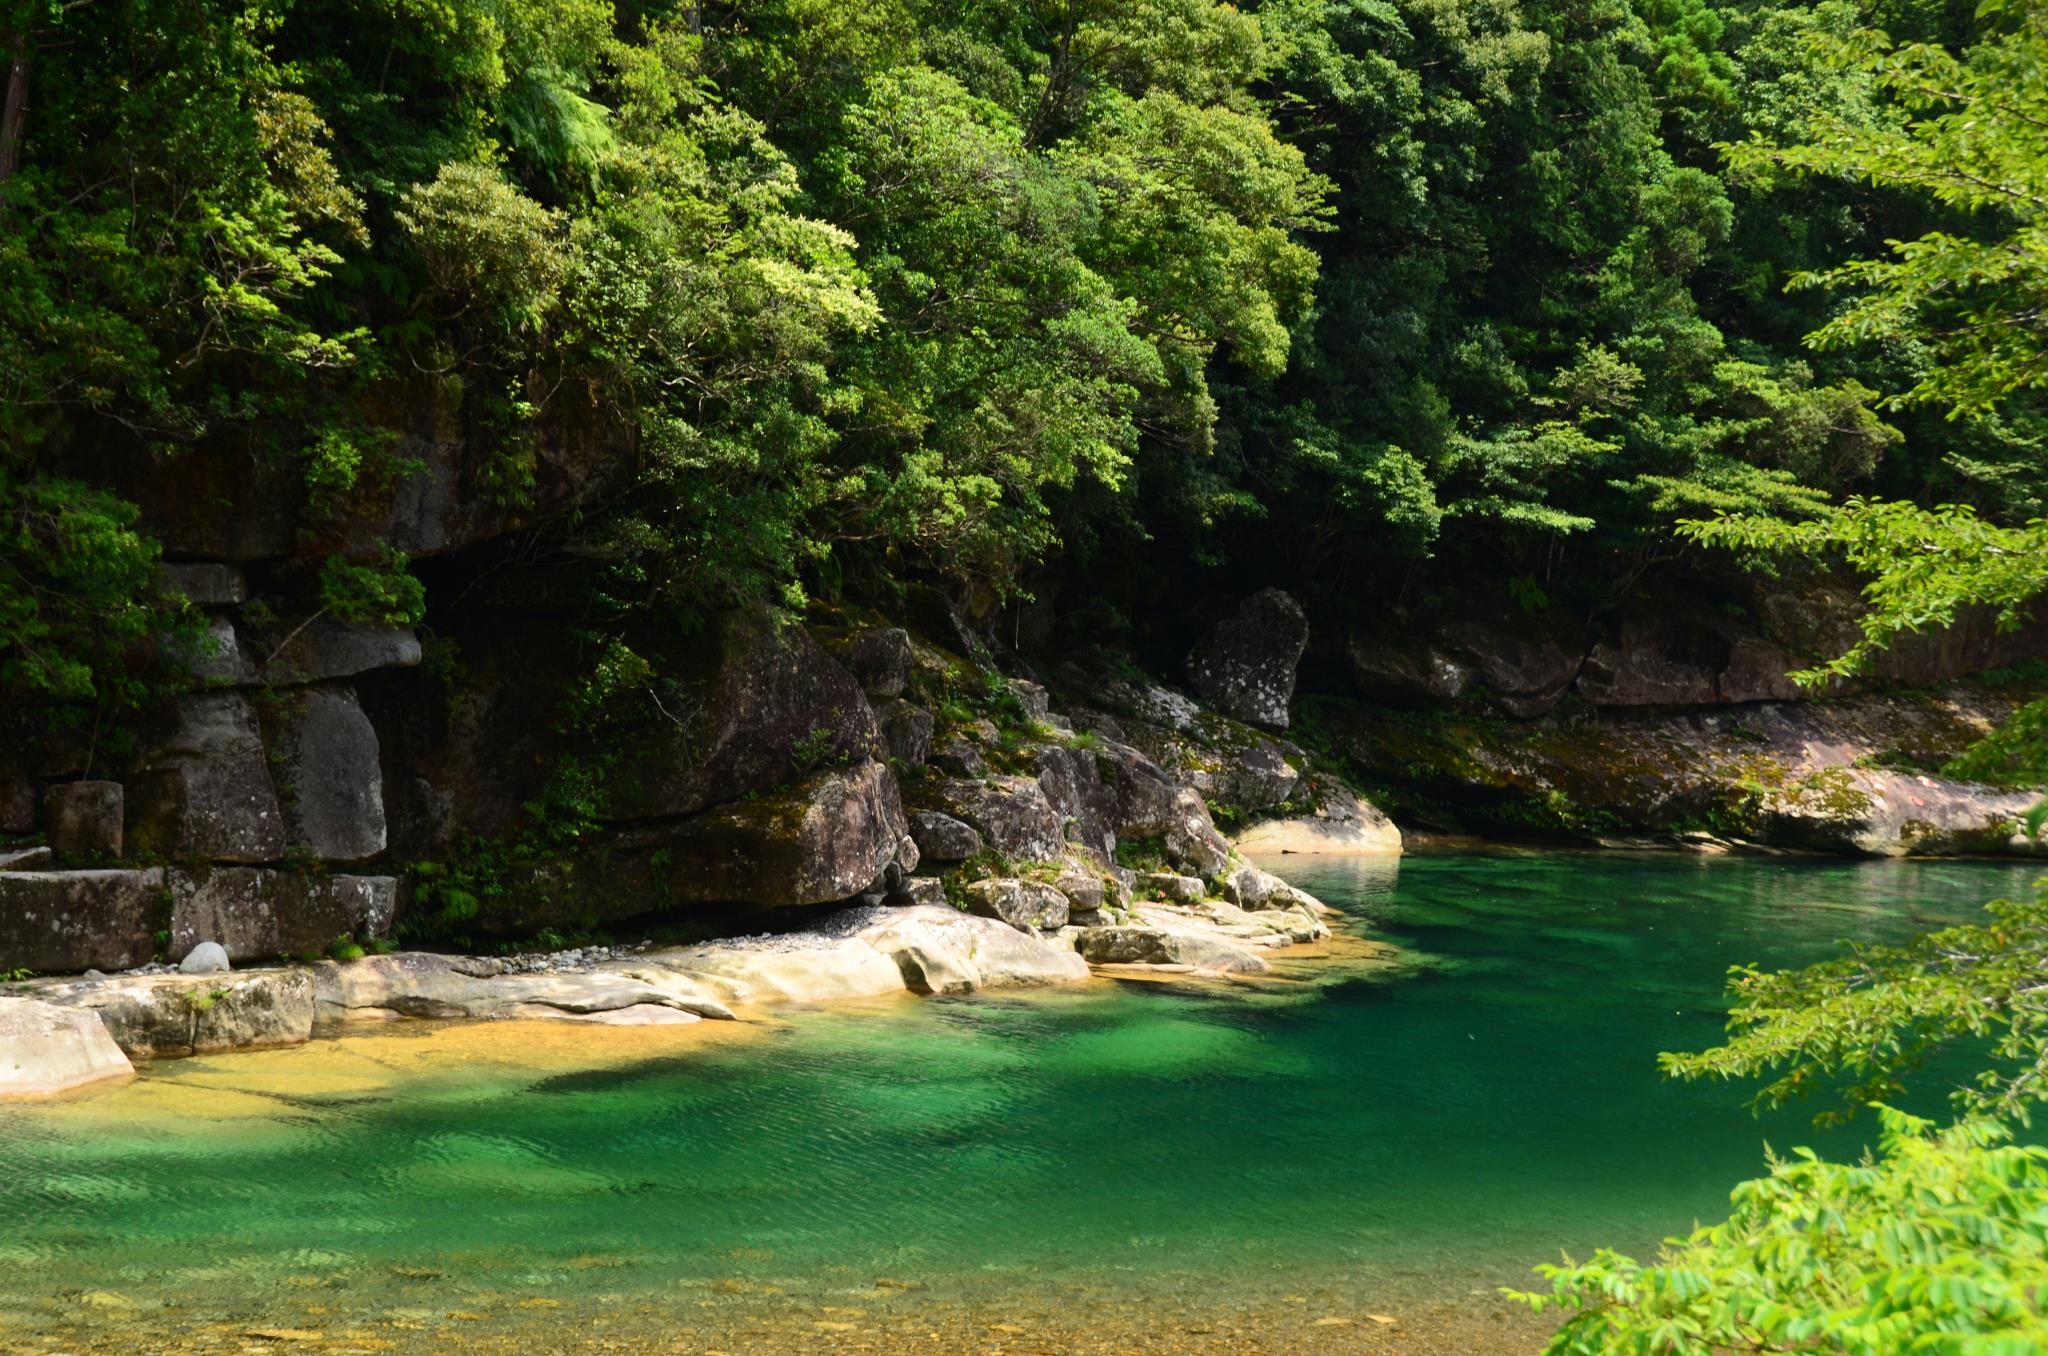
(863, 952)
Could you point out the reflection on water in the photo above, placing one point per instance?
(1429, 1127)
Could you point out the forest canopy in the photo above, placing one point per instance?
(1301, 288)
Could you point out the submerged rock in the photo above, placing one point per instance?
(1166, 946)
(46, 1049)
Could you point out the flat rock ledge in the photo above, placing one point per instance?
(46, 1050)
(60, 1034)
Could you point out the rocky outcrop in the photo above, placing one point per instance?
(801, 969)
(1023, 904)
(938, 951)
(1837, 776)
(757, 703)
(1659, 654)
(828, 838)
(46, 1049)
(1340, 825)
(1245, 665)
(257, 913)
(201, 788)
(329, 774)
(413, 984)
(159, 1016)
(79, 920)
(1011, 814)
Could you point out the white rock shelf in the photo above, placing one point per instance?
(58, 1035)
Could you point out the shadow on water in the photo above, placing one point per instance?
(1429, 1127)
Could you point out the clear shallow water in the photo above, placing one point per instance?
(1429, 1128)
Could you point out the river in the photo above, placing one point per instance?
(1364, 1146)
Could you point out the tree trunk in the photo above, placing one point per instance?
(14, 42)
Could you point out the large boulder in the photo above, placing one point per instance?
(943, 838)
(1027, 904)
(1011, 813)
(201, 788)
(155, 1016)
(330, 775)
(86, 819)
(324, 650)
(79, 920)
(799, 969)
(1244, 666)
(1141, 793)
(906, 730)
(828, 838)
(1086, 805)
(879, 658)
(257, 913)
(752, 704)
(46, 1049)
(940, 950)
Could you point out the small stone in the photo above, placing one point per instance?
(207, 958)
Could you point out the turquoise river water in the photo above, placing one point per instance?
(1355, 1134)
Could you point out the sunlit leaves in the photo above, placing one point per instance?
(1940, 1244)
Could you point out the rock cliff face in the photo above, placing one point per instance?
(322, 785)
(325, 786)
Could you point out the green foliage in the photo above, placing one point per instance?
(2013, 755)
(76, 589)
(381, 593)
(1966, 131)
(1862, 1024)
(1938, 1244)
